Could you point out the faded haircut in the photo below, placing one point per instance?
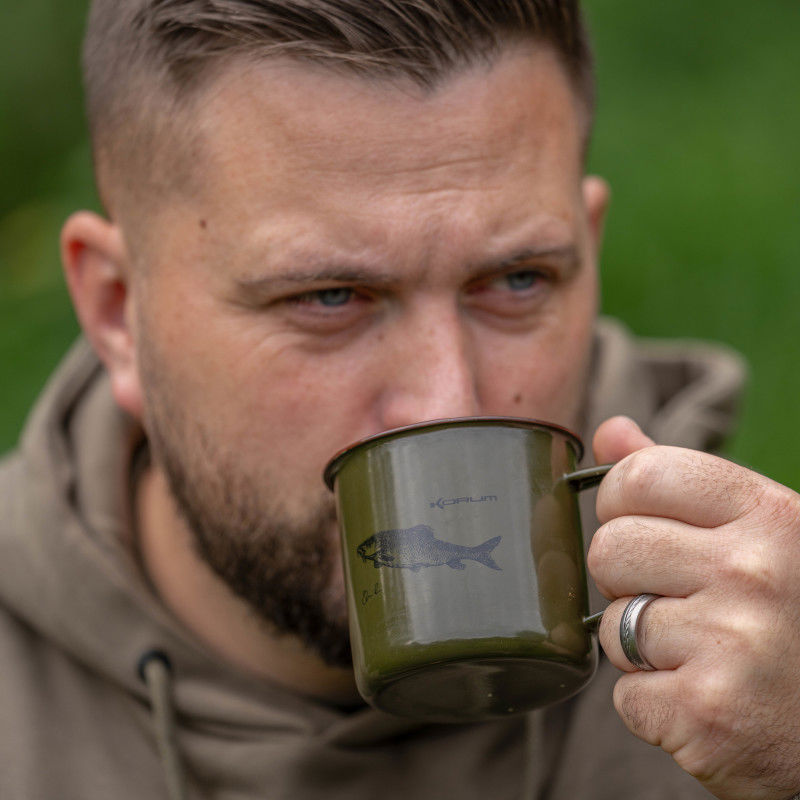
(146, 61)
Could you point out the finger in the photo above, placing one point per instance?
(665, 633)
(632, 555)
(649, 704)
(616, 438)
(681, 484)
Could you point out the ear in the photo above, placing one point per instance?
(596, 195)
(97, 270)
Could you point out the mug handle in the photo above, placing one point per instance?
(577, 482)
(587, 478)
(592, 622)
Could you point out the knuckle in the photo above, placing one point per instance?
(750, 569)
(743, 628)
(751, 641)
(779, 507)
(727, 712)
(603, 546)
(739, 662)
(708, 695)
(707, 704)
(622, 547)
(741, 493)
(646, 714)
(716, 482)
(607, 554)
(641, 470)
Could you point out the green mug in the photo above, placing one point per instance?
(464, 566)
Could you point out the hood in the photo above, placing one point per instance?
(681, 392)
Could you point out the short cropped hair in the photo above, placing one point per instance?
(144, 60)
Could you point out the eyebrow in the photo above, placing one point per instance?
(331, 274)
(567, 254)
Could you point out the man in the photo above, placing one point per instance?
(328, 219)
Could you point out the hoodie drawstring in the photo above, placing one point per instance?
(155, 670)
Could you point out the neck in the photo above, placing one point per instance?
(223, 622)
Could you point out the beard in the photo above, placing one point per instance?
(281, 566)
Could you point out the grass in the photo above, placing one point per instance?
(697, 132)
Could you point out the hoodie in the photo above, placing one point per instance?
(104, 694)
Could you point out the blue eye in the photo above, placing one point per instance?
(334, 297)
(518, 281)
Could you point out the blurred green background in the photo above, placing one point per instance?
(697, 131)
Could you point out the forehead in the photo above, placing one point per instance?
(286, 116)
(298, 162)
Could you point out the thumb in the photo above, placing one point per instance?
(618, 437)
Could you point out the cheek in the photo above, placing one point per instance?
(555, 382)
(253, 385)
(543, 374)
(296, 415)
(284, 410)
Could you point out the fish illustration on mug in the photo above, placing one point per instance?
(417, 547)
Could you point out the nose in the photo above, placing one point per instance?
(431, 372)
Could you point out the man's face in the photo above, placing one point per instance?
(360, 256)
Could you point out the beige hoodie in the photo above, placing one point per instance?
(76, 617)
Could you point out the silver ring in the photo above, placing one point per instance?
(629, 630)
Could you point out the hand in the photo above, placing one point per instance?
(722, 545)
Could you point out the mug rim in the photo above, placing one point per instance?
(335, 463)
